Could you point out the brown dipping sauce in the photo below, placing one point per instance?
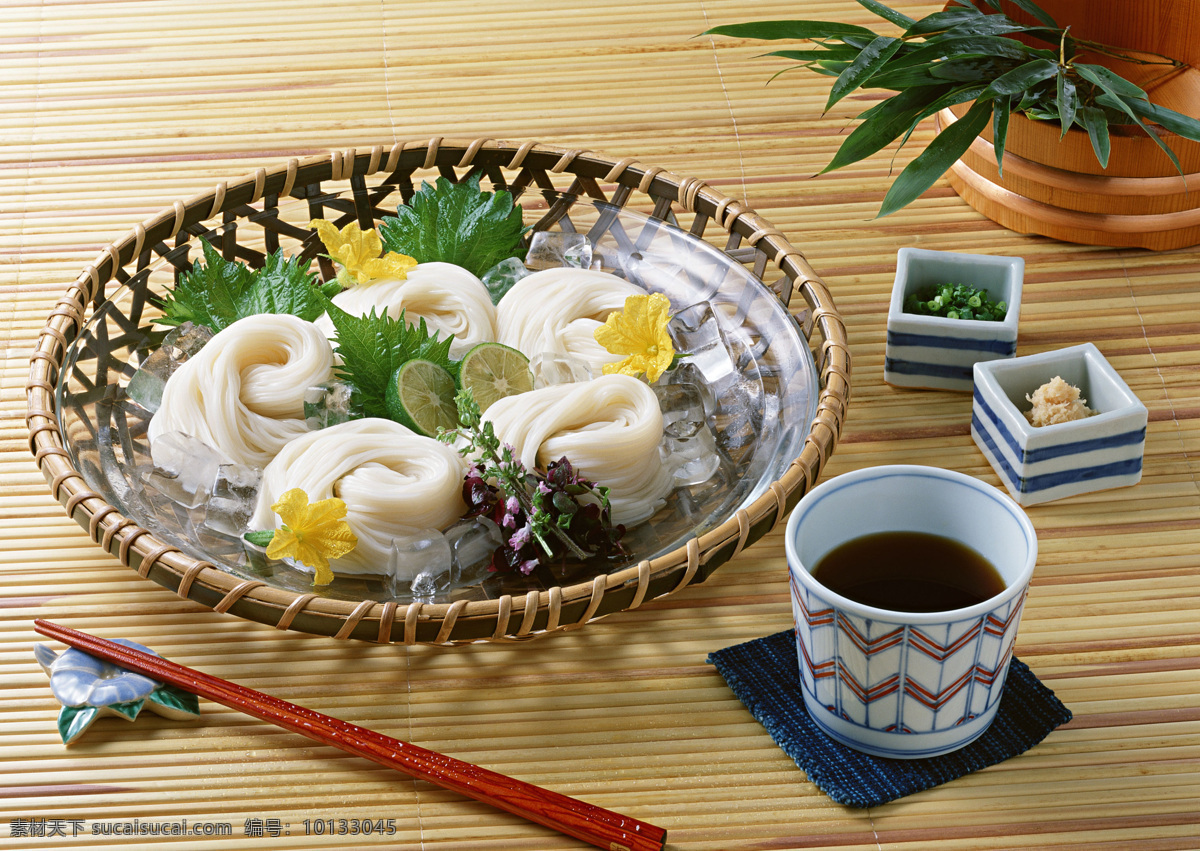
(909, 572)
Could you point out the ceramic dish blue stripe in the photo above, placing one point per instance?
(941, 370)
(1047, 453)
(1045, 481)
(982, 405)
(1004, 348)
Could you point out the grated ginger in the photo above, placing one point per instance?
(1056, 401)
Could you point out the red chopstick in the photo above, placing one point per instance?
(584, 821)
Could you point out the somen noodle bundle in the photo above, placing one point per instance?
(243, 393)
(449, 298)
(558, 311)
(608, 428)
(394, 482)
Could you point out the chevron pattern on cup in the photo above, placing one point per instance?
(898, 677)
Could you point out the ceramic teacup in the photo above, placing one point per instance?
(906, 684)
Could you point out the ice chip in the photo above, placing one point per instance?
(185, 469)
(472, 543)
(692, 460)
(423, 588)
(329, 404)
(146, 386)
(682, 408)
(234, 499)
(228, 515)
(551, 368)
(696, 333)
(416, 552)
(556, 249)
(500, 278)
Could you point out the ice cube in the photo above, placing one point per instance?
(185, 469)
(682, 408)
(329, 404)
(696, 333)
(419, 551)
(550, 368)
(500, 278)
(555, 249)
(146, 386)
(423, 588)
(472, 543)
(234, 499)
(691, 460)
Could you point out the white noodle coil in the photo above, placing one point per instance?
(392, 481)
(449, 298)
(609, 428)
(558, 311)
(243, 393)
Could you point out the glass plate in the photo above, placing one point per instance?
(763, 396)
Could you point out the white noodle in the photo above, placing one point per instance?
(558, 310)
(449, 298)
(243, 393)
(392, 481)
(609, 428)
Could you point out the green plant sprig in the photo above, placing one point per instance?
(963, 54)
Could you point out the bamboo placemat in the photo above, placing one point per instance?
(112, 110)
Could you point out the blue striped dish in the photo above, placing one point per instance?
(937, 353)
(1051, 462)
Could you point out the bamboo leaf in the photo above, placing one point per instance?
(936, 159)
(816, 54)
(1178, 123)
(1096, 125)
(1020, 79)
(886, 121)
(1068, 101)
(898, 18)
(870, 60)
(906, 77)
(1112, 83)
(1000, 115)
(1114, 101)
(1036, 11)
(798, 30)
(941, 21)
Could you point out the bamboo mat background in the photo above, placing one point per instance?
(112, 110)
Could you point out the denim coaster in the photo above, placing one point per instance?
(765, 676)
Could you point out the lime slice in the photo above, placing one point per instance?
(492, 371)
(421, 396)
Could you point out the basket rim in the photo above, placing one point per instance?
(536, 612)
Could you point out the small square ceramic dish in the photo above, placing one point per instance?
(937, 353)
(1038, 464)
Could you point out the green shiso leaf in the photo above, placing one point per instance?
(933, 162)
(208, 293)
(374, 346)
(218, 292)
(456, 223)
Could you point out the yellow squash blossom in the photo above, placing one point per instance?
(358, 251)
(640, 333)
(312, 534)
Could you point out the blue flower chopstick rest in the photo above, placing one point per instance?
(89, 688)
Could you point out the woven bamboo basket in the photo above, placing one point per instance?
(239, 214)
